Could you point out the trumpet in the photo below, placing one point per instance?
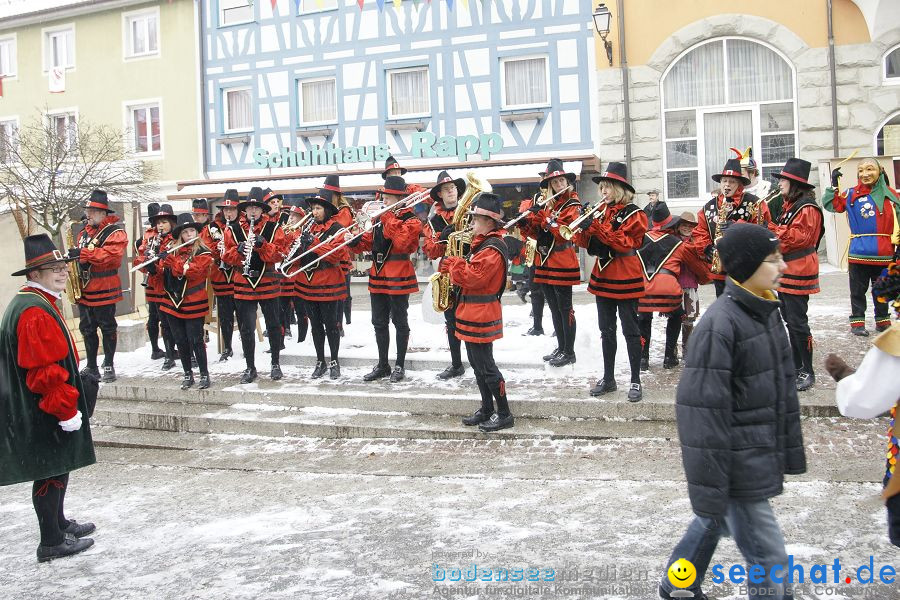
(568, 231)
(541, 203)
(156, 258)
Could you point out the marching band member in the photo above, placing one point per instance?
(392, 277)
(481, 277)
(445, 194)
(873, 212)
(345, 218)
(163, 221)
(100, 250)
(299, 305)
(393, 168)
(733, 204)
(556, 262)
(799, 228)
(322, 286)
(616, 280)
(153, 322)
(535, 289)
(185, 273)
(200, 211)
(253, 245)
(276, 204)
(222, 274)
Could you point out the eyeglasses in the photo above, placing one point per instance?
(57, 269)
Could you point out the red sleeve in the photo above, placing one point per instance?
(484, 267)
(110, 254)
(803, 232)
(565, 217)
(325, 247)
(431, 245)
(272, 252)
(231, 255)
(42, 344)
(694, 262)
(404, 233)
(344, 217)
(629, 235)
(199, 268)
(363, 243)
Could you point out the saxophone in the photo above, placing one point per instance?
(441, 288)
(249, 242)
(73, 277)
(721, 217)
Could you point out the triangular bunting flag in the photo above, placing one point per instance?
(465, 4)
(397, 3)
(360, 2)
(274, 3)
(450, 4)
(380, 4)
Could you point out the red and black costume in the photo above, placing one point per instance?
(344, 218)
(222, 274)
(152, 244)
(291, 243)
(536, 290)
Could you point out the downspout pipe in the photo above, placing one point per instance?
(626, 99)
(201, 72)
(831, 65)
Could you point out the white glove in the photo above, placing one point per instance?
(73, 424)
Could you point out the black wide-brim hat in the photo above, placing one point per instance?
(40, 251)
(326, 203)
(487, 204)
(163, 212)
(391, 163)
(555, 169)
(256, 197)
(186, 220)
(394, 185)
(796, 170)
(200, 206)
(732, 169)
(443, 178)
(615, 171)
(99, 200)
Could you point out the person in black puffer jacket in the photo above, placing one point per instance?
(738, 414)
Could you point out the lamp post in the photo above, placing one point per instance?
(602, 18)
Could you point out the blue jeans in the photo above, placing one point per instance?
(756, 533)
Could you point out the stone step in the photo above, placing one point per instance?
(323, 422)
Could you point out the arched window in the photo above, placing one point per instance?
(723, 93)
(892, 65)
(887, 138)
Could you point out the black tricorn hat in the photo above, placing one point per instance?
(797, 170)
(152, 209)
(391, 163)
(555, 168)
(269, 195)
(615, 171)
(487, 204)
(331, 187)
(662, 218)
(256, 197)
(163, 212)
(200, 205)
(443, 178)
(231, 199)
(732, 169)
(39, 251)
(99, 200)
(394, 185)
(186, 220)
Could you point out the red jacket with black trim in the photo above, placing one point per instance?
(186, 289)
(481, 278)
(104, 261)
(664, 257)
(392, 271)
(220, 279)
(561, 267)
(344, 218)
(618, 274)
(432, 245)
(264, 258)
(325, 282)
(705, 231)
(154, 291)
(799, 231)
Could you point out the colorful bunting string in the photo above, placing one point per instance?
(397, 4)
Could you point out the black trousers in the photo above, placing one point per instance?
(387, 308)
(861, 278)
(893, 515)
(286, 305)
(226, 312)
(559, 298)
(674, 320)
(537, 300)
(188, 334)
(246, 310)
(90, 318)
(155, 324)
(794, 309)
(48, 498)
(302, 319)
(323, 323)
(453, 341)
(720, 286)
(490, 380)
(606, 317)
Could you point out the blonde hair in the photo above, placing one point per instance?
(618, 192)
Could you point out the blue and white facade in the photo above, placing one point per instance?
(321, 86)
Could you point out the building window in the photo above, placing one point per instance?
(238, 109)
(310, 6)
(892, 65)
(8, 57)
(232, 12)
(408, 93)
(141, 33)
(145, 128)
(725, 93)
(887, 139)
(525, 82)
(318, 101)
(59, 48)
(65, 126)
(8, 139)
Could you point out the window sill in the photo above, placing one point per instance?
(413, 125)
(523, 115)
(131, 57)
(147, 155)
(315, 131)
(237, 24)
(234, 138)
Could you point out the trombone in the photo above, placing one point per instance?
(541, 203)
(287, 228)
(568, 231)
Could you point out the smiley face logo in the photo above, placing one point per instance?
(682, 573)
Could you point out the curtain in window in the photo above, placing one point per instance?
(757, 74)
(697, 79)
(526, 81)
(319, 100)
(409, 93)
(140, 130)
(722, 131)
(154, 129)
(151, 34)
(892, 64)
(239, 115)
(138, 40)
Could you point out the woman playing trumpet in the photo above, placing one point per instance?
(300, 219)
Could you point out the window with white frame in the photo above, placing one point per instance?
(525, 82)
(408, 93)
(238, 104)
(318, 101)
(232, 12)
(8, 138)
(8, 57)
(309, 6)
(145, 128)
(59, 48)
(141, 33)
(725, 93)
(892, 65)
(65, 126)
(887, 139)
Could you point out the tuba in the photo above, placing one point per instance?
(441, 288)
(73, 277)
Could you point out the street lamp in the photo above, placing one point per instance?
(601, 23)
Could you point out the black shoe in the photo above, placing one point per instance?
(169, 363)
(194, 364)
(335, 370)
(91, 371)
(670, 362)
(204, 382)
(320, 369)
(859, 331)
(805, 381)
(157, 354)
(496, 423)
(378, 372)
(69, 546)
(645, 363)
(79, 530)
(534, 331)
(563, 359)
(603, 386)
(666, 596)
(275, 374)
(476, 418)
(228, 353)
(249, 376)
(188, 381)
(109, 374)
(552, 355)
(635, 393)
(451, 372)
(398, 375)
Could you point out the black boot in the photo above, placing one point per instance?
(552, 355)
(496, 423)
(169, 363)
(275, 374)
(335, 369)
(187, 381)
(451, 372)
(807, 377)
(487, 406)
(563, 359)
(79, 530)
(603, 386)
(109, 374)
(204, 381)
(476, 418)
(249, 375)
(380, 371)
(635, 392)
(398, 374)
(319, 370)
(69, 546)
